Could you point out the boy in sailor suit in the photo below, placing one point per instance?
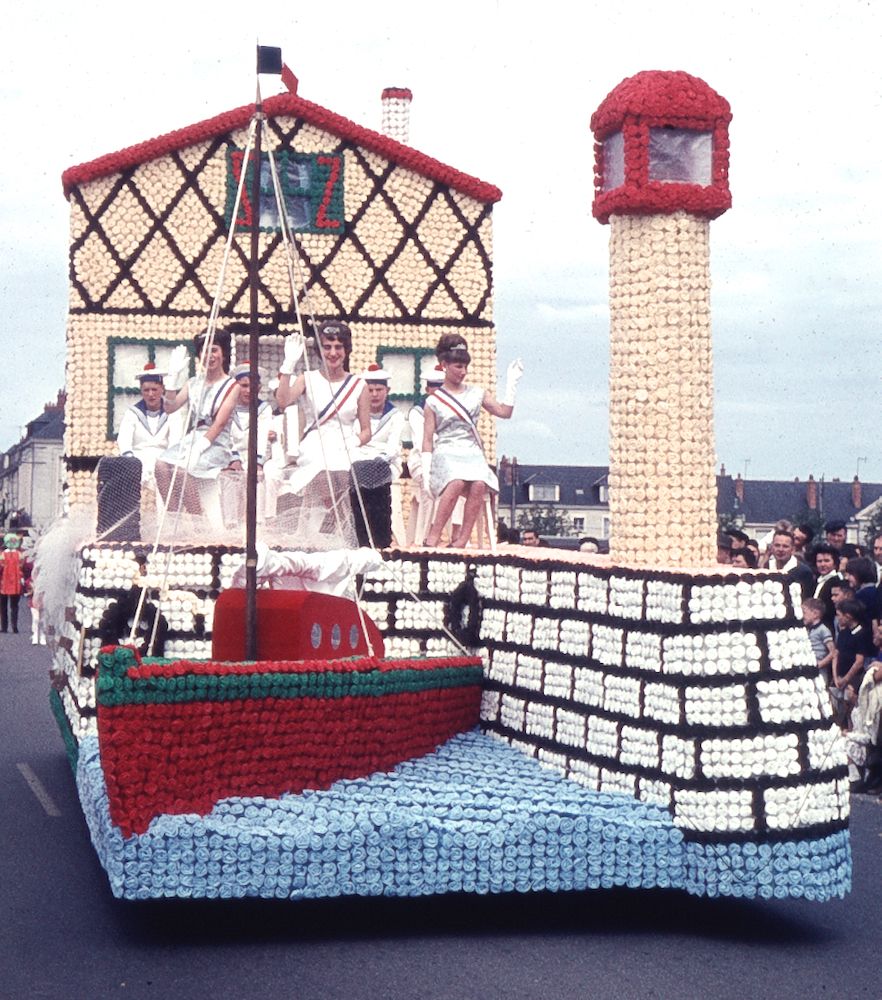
(146, 429)
(387, 424)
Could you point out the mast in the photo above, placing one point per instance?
(269, 60)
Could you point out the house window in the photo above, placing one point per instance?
(126, 359)
(407, 368)
(578, 523)
(311, 187)
(543, 493)
(603, 493)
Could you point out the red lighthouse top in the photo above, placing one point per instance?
(661, 146)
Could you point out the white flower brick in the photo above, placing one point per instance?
(508, 584)
(607, 645)
(558, 680)
(527, 749)
(378, 612)
(826, 748)
(492, 624)
(588, 686)
(725, 654)
(534, 587)
(626, 597)
(398, 645)
(639, 747)
(502, 666)
(511, 712)
(751, 757)
(575, 638)
(551, 760)
(722, 707)
(518, 628)
(657, 793)
(796, 595)
(485, 580)
(789, 649)
(529, 672)
(584, 773)
(793, 699)
(603, 737)
(643, 651)
(718, 810)
(563, 590)
(661, 702)
(592, 594)
(678, 756)
(539, 720)
(664, 601)
(804, 805)
(490, 706)
(442, 646)
(444, 577)
(622, 695)
(570, 728)
(412, 614)
(546, 633)
(617, 783)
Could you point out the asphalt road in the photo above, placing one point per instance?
(63, 936)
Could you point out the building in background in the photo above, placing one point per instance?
(32, 472)
(579, 498)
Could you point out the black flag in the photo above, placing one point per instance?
(269, 59)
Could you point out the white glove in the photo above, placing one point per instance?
(512, 377)
(426, 469)
(178, 363)
(293, 353)
(200, 444)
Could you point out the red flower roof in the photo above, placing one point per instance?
(653, 94)
(281, 104)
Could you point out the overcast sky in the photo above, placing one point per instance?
(504, 91)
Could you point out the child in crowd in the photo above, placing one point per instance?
(853, 647)
(864, 739)
(820, 636)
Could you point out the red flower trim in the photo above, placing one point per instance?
(281, 104)
(359, 665)
(398, 93)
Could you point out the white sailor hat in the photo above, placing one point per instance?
(375, 373)
(435, 376)
(150, 373)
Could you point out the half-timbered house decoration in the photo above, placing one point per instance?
(391, 240)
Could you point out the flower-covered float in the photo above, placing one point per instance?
(465, 721)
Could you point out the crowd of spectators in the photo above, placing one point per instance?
(841, 586)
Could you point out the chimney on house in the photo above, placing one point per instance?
(856, 494)
(505, 470)
(395, 120)
(739, 488)
(811, 493)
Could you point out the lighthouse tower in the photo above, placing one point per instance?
(661, 175)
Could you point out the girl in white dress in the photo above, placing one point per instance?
(453, 459)
(334, 406)
(206, 449)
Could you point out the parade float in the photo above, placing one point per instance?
(430, 721)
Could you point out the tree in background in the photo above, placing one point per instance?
(545, 521)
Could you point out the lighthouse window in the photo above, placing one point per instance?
(310, 186)
(679, 155)
(613, 161)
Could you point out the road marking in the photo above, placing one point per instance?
(36, 786)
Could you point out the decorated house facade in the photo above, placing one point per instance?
(394, 242)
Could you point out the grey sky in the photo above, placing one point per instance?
(505, 91)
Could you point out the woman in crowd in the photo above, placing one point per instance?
(453, 460)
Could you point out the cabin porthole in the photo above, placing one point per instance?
(315, 635)
(336, 637)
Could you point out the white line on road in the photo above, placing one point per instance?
(36, 786)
